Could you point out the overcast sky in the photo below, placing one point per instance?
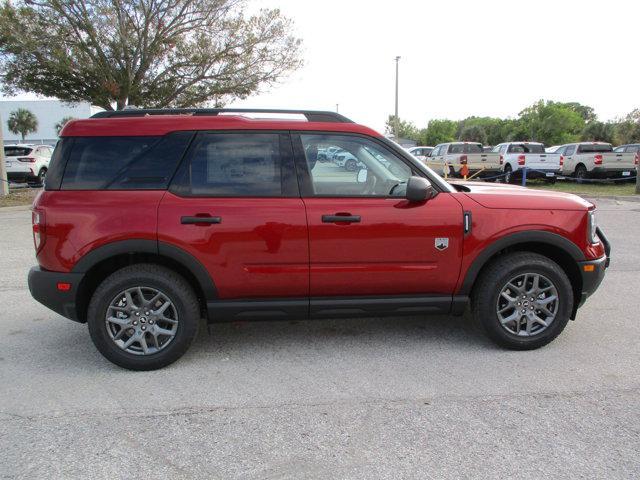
(460, 58)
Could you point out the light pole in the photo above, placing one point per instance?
(4, 185)
(397, 120)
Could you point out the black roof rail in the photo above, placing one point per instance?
(311, 115)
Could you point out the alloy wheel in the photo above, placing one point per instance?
(141, 320)
(527, 304)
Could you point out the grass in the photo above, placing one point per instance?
(594, 189)
(19, 196)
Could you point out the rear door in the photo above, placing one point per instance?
(365, 238)
(234, 205)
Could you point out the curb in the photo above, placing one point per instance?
(619, 198)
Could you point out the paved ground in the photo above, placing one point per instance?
(377, 398)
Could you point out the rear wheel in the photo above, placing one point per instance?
(351, 165)
(143, 317)
(522, 300)
(41, 175)
(581, 173)
(508, 174)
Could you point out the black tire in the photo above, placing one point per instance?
(489, 286)
(580, 173)
(551, 181)
(41, 176)
(351, 165)
(508, 174)
(174, 286)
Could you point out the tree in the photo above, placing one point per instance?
(438, 131)
(627, 130)
(473, 133)
(22, 121)
(596, 131)
(406, 129)
(152, 53)
(551, 123)
(60, 125)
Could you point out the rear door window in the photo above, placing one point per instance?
(236, 165)
(124, 163)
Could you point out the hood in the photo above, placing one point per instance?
(497, 195)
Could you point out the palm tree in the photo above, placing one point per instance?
(22, 121)
(60, 125)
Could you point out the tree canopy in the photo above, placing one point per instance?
(549, 122)
(23, 122)
(151, 53)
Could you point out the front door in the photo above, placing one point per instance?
(365, 238)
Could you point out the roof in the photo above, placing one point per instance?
(160, 122)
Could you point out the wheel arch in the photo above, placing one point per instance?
(553, 246)
(105, 260)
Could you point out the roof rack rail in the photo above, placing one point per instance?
(311, 115)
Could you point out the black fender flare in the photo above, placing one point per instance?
(530, 236)
(154, 247)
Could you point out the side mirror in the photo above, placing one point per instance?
(419, 189)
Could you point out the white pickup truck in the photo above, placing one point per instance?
(449, 159)
(516, 156)
(596, 159)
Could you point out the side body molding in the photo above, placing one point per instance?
(532, 236)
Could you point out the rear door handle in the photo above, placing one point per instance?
(200, 220)
(341, 218)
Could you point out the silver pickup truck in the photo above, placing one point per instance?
(450, 158)
(596, 159)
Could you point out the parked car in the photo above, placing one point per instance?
(596, 159)
(27, 163)
(452, 156)
(630, 148)
(151, 220)
(421, 153)
(515, 156)
(347, 160)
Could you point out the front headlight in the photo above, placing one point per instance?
(592, 227)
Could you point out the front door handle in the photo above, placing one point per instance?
(201, 221)
(344, 218)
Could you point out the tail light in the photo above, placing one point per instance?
(27, 159)
(597, 159)
(521, 159)
(39, 229)
(636, 159)
(463, 159)
(501, 159)
(561, 160)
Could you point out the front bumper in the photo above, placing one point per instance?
(593, 271)
(43, 286)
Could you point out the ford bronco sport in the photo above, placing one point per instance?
(153, 219)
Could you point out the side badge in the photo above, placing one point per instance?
(442, 243)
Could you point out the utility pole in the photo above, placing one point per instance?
(4, 185)
(397, 120)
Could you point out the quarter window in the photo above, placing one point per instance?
(123, 163)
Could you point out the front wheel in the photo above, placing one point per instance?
(143, 317)
(522, 300)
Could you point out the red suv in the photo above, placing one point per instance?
(153, 219)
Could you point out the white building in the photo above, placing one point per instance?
(48, 112)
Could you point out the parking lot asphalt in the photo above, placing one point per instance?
(406, 397)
